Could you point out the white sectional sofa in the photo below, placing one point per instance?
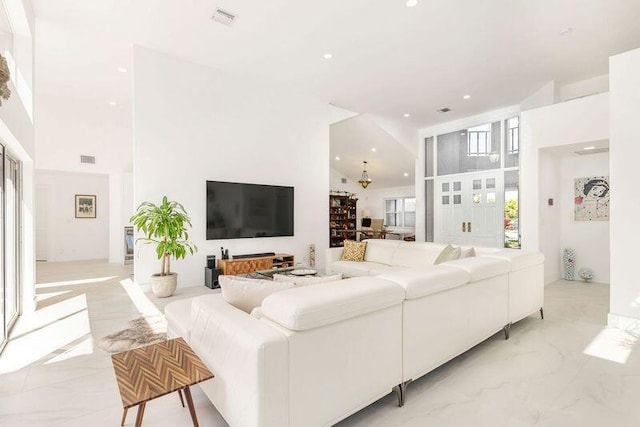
(319, 353)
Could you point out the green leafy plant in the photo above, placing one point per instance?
(166, 227)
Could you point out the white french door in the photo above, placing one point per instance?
(469, 209)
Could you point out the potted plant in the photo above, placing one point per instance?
(166, 227)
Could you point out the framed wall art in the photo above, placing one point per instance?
(85, 206)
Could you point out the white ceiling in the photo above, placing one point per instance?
(352, 141)
(387, 59)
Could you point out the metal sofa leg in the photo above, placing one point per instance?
(506, 329)
(400, 390)
(542, 313)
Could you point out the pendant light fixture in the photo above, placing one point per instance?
(364, 179)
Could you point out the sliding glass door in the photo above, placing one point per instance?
(9, 247)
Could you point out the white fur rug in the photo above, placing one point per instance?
(143, 331)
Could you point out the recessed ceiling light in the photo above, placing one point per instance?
(466, 97)
(337, 158)
(407, 115)
(412, 3)
(113, 103)
(589, 148)
(122, 69)
(565, 31)
(406, 174)
(373, 149)
(328, 56)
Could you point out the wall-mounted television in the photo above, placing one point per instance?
(237, 211)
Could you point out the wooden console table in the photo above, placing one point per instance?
(249, 265)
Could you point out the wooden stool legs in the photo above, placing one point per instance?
(124, 417)
(192, 409)
(181, 399)
(141, 406)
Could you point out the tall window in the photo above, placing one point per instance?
(479, 140)
(400, 212)
(513, 136)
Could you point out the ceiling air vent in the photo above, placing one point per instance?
(343, 180)
(592, 151)
(223, 17)
(88, 159)
(444, 110)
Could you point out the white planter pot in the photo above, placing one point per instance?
(164, 286)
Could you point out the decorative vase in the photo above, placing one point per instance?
(569, 262)
(586, 274)
(312, 255)
(164, 286)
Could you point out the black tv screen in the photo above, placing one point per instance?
(236, 211)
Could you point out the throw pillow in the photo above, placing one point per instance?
(354, 251)
(467, 253)
(449, 253)
(247, 294)
(304, 281)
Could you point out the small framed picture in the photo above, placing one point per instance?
(85, 206)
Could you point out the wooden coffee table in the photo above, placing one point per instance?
(155, 370)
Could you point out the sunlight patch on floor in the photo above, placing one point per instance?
(139, 299)
(46, 333)
(612, 344)
(74, 282)
(84, 348)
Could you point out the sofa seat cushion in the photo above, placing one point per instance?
(519, 259)
(178, 315)
(483, 267)
(380, 251)
(379, 269)
(422, 281)
(354, 268)
(310, 307)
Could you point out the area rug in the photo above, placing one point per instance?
(142, 331)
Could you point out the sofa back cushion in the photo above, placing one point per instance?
(247, 294)
(482, 267)
(380, 251)
(416, 254)
(310, 307)
(419, 282)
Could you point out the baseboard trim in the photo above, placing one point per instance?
(625, 323)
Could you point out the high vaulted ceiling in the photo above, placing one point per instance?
(388, 59)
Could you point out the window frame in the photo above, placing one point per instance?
(402, 211)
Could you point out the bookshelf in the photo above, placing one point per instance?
(342, 219)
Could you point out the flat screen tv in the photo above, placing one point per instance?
(237, 211)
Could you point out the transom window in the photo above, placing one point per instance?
(479, 140)
(400, 212)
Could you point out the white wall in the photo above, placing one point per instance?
(589, 239)
(70, 238)
(208, 125)
(624, 72)
(335, 182)
(580, 121)
(546, 95)
(587, 87)
(549, 216)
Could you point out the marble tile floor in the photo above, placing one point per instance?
(566, 370)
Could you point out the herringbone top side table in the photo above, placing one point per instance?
(149, 372)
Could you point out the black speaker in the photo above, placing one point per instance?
(211, 277)
(211, 261)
